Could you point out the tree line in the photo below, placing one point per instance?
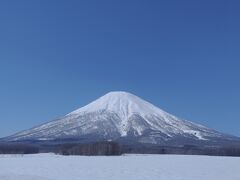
(17, 148)
(114, 148)
(98, 148)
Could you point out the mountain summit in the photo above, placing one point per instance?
(121, 116)
(124, 105)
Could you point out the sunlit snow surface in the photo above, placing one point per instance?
(116, 115)
(133, 167)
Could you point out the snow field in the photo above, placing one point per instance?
(133, 167)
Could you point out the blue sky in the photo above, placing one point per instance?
(56, 56)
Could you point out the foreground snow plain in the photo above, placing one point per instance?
(134, 167)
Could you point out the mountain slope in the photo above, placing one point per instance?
(122, 116)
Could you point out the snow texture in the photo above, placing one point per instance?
(115, 115)
(134, 167)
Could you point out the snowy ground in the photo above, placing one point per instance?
(132, 167)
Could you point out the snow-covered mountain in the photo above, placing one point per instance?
(121, 116)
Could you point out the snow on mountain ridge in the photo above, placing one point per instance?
(116, 115)
(123, 103)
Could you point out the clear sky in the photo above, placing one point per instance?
(56, 56)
